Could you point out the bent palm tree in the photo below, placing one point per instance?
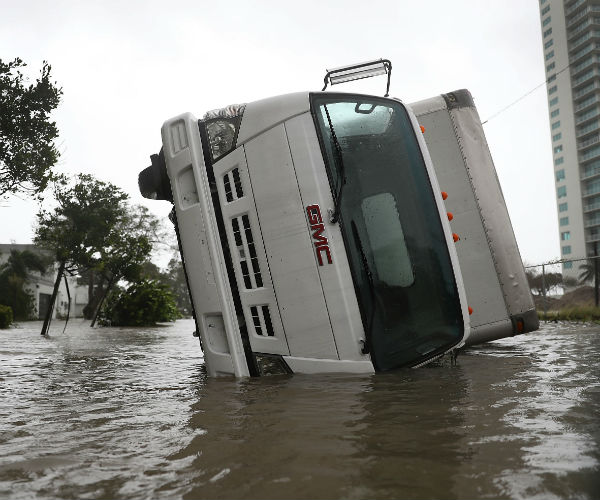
(587, 272)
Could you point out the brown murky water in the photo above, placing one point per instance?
(130, 413)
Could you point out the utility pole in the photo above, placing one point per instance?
(596, 273)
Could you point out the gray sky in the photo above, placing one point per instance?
(126, 66)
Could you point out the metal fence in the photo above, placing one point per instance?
(555, 266)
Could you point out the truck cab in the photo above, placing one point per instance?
(314, 235)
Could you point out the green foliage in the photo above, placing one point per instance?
(81, 224)
(6, 316)
(178, 284)
(13, 277)
(141, 304)
(27, 150)
(174, 278)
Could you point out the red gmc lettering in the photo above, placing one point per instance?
(320, 240)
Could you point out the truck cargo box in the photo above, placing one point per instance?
(491, 266)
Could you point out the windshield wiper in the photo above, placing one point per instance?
(339, 164)
(365, 264)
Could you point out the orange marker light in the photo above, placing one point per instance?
(450, 216)
(444, 195)
(470, 310)
(422, 129)
(455, 237)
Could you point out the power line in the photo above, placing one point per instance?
(524, 95)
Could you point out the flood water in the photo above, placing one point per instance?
(130, 413)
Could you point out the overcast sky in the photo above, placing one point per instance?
(126, 66)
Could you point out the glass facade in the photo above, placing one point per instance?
(576, 151)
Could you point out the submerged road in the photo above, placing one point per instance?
(130, 413)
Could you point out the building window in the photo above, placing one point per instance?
(546, 21)
(563, 207)
(551, 90)
(549, 43)
(561, 192)
(545, 10)
(554, 113)
(553, 101)
(565, 235)
(550, 66)
(558, 149)
(558, 161)
(567, 265)
(551, 78)
(560, 175)
(557, 137)
(548, 32)
(550, 55)
(555, 125)
(566, 250)
(563, 221)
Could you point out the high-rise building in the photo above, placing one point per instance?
(571, 38)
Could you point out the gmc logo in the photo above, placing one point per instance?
(315, 220)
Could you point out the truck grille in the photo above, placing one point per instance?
(261, 318)
(246, 252)
(233, 185)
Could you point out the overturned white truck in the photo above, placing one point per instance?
(315, 237)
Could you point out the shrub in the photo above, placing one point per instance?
(6, 316)
(141, 304)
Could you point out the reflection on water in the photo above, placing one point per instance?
(130, 413)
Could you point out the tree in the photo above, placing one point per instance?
(590, 272)
(128, 246)
(178, 284)
(174, 278)
(143, 303)
(543, 283)
(587, 273)
(81, 226)
(27, 150)
(13, 276)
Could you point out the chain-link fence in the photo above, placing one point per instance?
(550, 276)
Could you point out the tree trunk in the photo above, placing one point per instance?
(69, 306)
(48, 317)
(88, 310)
(101, 301)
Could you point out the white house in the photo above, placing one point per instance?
(40, 286)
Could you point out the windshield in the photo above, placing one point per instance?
(394, 238)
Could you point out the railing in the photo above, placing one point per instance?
(582, 52)
(590, 172)
(586, 90)
(592, 222)
(586, 103)
(591, 207)
(575, 6)
(593, 273)
(583, 13)
(590, 127)
(583, 65)
(583, 78)
(588, 142)
(592, 113)
(580, 28)
(584, 38)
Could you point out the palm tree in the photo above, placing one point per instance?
(587, 272)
